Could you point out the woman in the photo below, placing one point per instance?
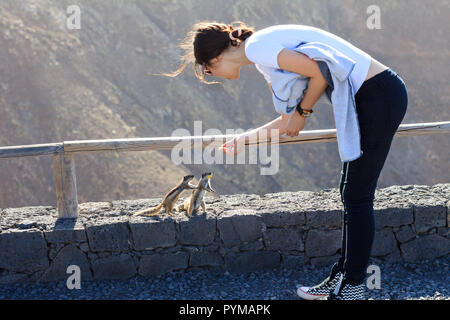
(381, 102)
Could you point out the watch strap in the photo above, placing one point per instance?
(303, 112)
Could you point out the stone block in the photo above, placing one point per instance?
(23, 251)
(425, 247)
(10, 277)
(153, 234)
(113, 236)
(325, 261)
(227, 232)
(197, 230)
(293, 261)
(238, 226)
(283, 239)
(324, 219)
(252, 261)
(69, 255)
(156, 264)
(248, 226)
(200, 258)
(282, 218)
(84, 247)
(444, 232)
(384, 242)
(393, 217)
(252, 245)
(393, 257)
(429, 216)
(66, 231)
(405, 233)
(321, 243)
(114, 267)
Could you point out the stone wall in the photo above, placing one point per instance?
(239, 233)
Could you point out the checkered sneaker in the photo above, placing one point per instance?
(321, 290)
(348, 292)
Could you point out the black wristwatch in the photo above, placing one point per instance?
(303, 112)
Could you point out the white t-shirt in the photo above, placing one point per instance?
(264, 45)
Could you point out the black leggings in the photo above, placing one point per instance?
(381, 104)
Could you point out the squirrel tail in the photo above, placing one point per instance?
(150, 211)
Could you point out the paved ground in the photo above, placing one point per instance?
(429, 280)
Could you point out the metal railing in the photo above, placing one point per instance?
(64, 163)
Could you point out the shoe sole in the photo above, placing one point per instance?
(302, 293)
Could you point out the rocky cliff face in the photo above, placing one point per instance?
(58, 84)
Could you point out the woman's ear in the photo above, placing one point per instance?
(218, 58)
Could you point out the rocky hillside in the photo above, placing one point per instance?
(58, 84)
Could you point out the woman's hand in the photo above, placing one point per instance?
(234, 146)
(296, 123)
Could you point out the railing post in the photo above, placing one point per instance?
(65, 185)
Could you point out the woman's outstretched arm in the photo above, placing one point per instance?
(261, 133)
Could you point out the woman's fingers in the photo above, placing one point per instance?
(227, 149)
(233, 146)
(292, 134)
(294, 126)
(229, 146)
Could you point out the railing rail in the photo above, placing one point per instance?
(64, 163)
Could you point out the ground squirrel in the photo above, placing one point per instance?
(170, 198)
(193, 203)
